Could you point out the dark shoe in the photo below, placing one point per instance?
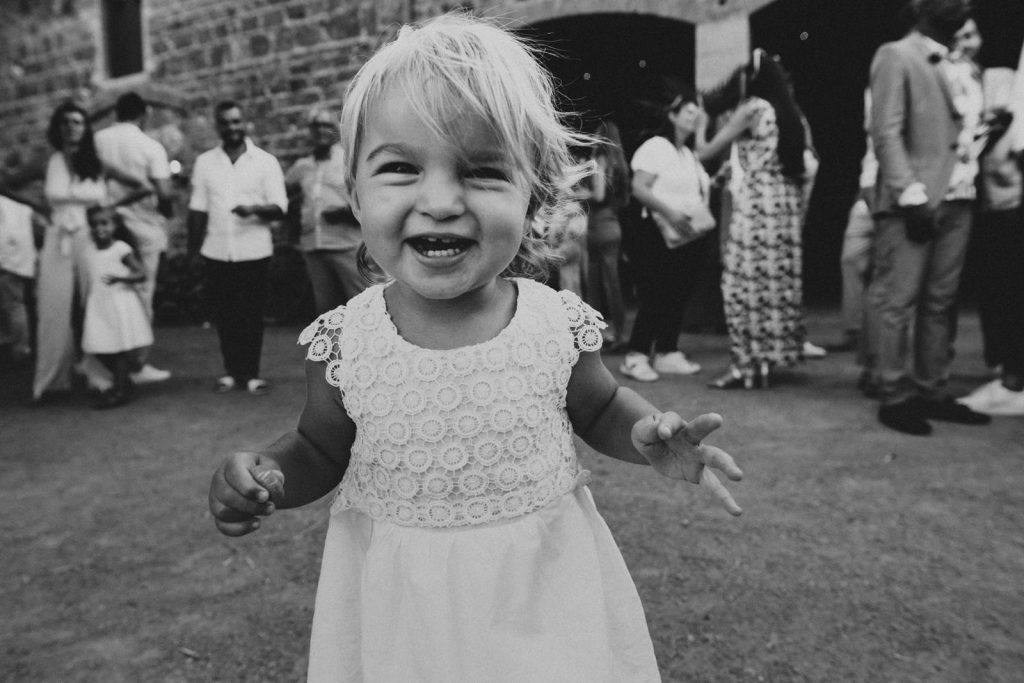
(849, 342)
(110, 399)
(948, 410)
(867, 385)
(905, 417)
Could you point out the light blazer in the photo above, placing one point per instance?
(914, 124)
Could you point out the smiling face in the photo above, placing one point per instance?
(72, 127)
(684, 120)
(443, 221)
(968, 40)
(231, 127)
(323, 130)
(101, 224)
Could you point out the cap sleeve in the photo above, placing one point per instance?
(323, 336)
(585, 323)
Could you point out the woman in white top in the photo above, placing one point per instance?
(75, 179)
(672, 186)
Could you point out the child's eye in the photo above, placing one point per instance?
(487, 173)
(400, 167)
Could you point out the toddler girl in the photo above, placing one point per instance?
(463, 543)
(116, 323)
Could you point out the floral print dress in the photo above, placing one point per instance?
(761, 282)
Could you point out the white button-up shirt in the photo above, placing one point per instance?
(125, 146)
(218, 186)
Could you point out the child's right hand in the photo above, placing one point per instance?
(237, 498)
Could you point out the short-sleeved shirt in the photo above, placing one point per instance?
(323, 186)
(127, 147)
(679, 178)
(218, 186)
(17, 248)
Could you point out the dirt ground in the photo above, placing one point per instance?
(862, 554)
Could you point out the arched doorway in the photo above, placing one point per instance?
(610, 65)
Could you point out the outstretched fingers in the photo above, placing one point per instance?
(701, 426)
(713, 456)
(718, 490)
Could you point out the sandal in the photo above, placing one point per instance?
(733, 379)
(224, 384)
(257, 386)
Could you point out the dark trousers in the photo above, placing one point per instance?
(237, 292)
(914, 286)
(1000, 251)
(665, 280)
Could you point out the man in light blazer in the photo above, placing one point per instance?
(923, 225)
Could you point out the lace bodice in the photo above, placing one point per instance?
(463, 436)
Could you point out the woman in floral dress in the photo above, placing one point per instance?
(761, 282)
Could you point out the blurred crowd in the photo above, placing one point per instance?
(707, 212)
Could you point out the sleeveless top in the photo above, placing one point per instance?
(471, 435)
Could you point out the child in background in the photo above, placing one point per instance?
(116, 323)
(18, 259)
(463, 542)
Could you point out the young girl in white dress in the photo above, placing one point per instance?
(116, 323)
(463, 542)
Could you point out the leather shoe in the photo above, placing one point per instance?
(905, 417)
(948, 410)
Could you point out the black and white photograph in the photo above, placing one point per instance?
(512, 341)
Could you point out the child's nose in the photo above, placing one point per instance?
(440, 196)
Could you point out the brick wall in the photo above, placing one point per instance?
(277, 57)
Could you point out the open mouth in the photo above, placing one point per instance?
(439, 246)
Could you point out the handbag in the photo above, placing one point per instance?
(701, 222)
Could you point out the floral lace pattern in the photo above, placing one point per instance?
(456, 437)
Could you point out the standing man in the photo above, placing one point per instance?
(923, 225)
(330, 236)
(237, 191)
(124, 145)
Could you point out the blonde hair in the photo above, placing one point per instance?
(454, 65)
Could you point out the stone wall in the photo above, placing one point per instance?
(276, 56)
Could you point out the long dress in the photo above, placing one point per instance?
(463, 543)
(115, 314)
(761, 280)
(63, 271)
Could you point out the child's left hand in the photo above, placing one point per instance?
(674, 449)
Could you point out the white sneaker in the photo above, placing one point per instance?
(636, 366)
(675, 363)
(147, 374)
(813, 350)
(994, 399)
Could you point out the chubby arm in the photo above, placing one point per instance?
(312, 459)
(622, 424)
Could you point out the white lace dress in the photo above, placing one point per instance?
(463, 543)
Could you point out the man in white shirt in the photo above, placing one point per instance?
(124, 145)
(330, 234)
(237, 192)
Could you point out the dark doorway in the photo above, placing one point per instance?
(612, 65)
(828, 48)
